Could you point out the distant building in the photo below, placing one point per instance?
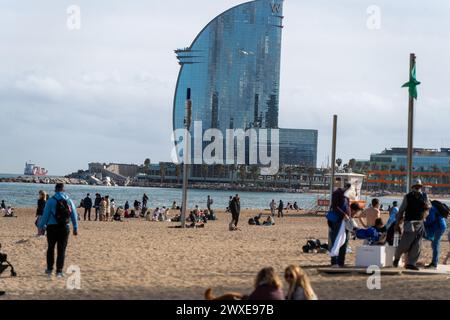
(126, 170)
(233, 70)
(423, 159)
(387, 170)
(298, 147)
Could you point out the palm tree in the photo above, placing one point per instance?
(254, 172)
(339, 163)
(242, 172)
(178, 171)
(289, 174)
(162, 171)
(352, 164)
(311, 173)
(204, 171)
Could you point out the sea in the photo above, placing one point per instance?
(21, 195)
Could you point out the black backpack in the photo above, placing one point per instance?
(442, 208)
(63, 212)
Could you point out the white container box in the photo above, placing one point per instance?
(367, 256)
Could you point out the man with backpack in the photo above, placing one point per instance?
(59, 211)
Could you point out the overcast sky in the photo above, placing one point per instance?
(105, 92)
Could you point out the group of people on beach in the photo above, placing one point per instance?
(280, 208)
(416, 219)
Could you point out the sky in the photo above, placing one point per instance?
(104, 93)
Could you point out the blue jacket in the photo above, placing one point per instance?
(435, 222)
(48, 218)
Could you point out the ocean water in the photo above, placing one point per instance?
(25, 195)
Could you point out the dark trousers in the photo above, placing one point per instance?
(87, 212)
(334, 228)
(280, 213)
(57, 236)
(235, 218)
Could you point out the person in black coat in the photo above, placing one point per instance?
(235, 209)
(87, 203)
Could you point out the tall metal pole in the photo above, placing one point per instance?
(409, 177)
(333, 155)
(186, 156)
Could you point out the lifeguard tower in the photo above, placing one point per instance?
(355, 194)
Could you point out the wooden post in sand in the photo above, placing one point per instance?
(333, 156)
(186, 156)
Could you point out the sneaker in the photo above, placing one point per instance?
(431, 266)
(395, 264)
(411, 267)
(48, 273)
(60, 275)
(335, 266)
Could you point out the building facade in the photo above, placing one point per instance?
(233, 70)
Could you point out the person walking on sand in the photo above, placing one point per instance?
(98, 200)
(435, 227)
(412, 212)
(209, 202)
(273, 207)
(144, 201)
(59, 211)
(280, 209)
(235, 209)
(87, 207)
(337, 235)
(42, 200)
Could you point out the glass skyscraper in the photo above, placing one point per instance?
(233, 70)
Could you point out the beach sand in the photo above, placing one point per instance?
(137, 259)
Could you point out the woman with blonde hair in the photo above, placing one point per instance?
(268, 286)
(42, 200)
(299, 284)
(103, 206)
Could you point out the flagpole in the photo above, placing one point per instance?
(187, 154)
(409, 177)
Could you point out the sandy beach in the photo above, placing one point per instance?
(137, 259)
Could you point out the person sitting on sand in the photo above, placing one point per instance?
(9, 213)
(269, 222)
(375, 235)
(118, 215)
(127, 208)
(296, 207)
(152, 216)
(299, 284)
(256, 221)
(268, 286)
